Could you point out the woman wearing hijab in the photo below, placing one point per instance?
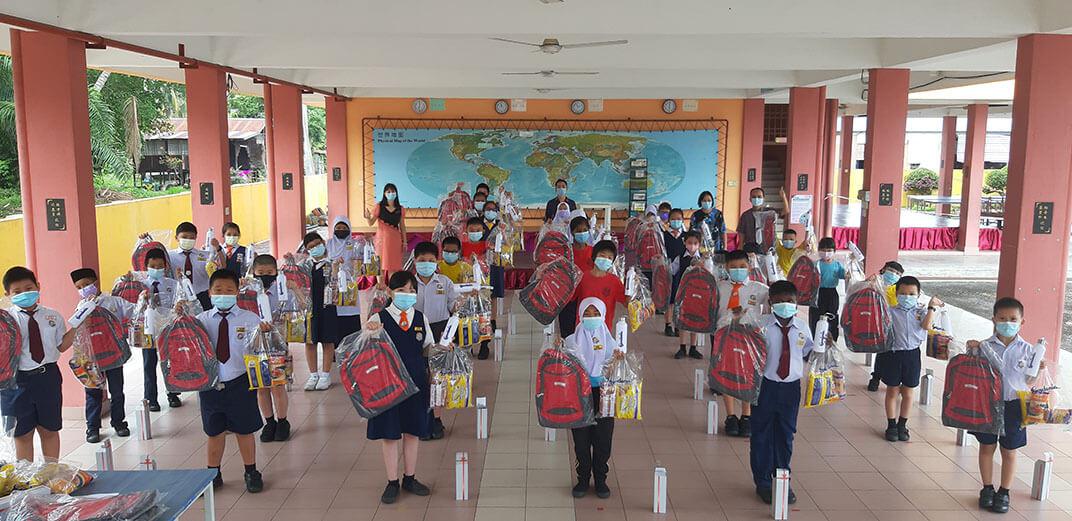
(594, 344)
(390, 218)
(343, 247)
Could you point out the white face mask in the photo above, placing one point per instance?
(187, 244)
(230, 240)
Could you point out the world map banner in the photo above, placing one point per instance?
(425, 164)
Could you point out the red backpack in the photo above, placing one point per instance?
(550, 289)
(650, 244)
(247, 300)
(662, 283)
(137, 259)
(805, 276)
(128, 289)
(187, 356)
(374, 377)
(866, 323)
(697, 301)
(972, 396)
(738, 356)
(563, 391)
(553, 245)
(298, 275)
(629, 240)
(108, 339)
(455, 206)
(765, 222)
(10, 349)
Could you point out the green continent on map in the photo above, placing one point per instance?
(557, 164)
(494, 174)
(599, 147)
(466, 145)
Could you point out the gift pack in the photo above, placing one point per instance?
(563, 390)
(622, 388)
(372, 373)
(452, 378)
(972, 399)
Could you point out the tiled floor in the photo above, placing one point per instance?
(842, 467)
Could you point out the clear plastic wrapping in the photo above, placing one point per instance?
(452, 378)
(550, 289)
(130, 286)
(866, 323)
(147, 505)
(563, 390)
(629, 240)
(738, 355)
(455, 206)
(187, 356)
(372, 373)
(972, 399)
(941, 344)
(102, 336)
(765, 228)
(650, 244)
(825, 378)
(640, 306)
(622, 389)
(804, 274)
(58, 476)
(138, 332)
(10, 349)
(696, 302)
(143, 246)
(662, 283)
(267, 359)
(552, 244)
(1042, 404)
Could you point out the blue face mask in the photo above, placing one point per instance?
(757, 201)
(591, 323)
(907, 301)
(665, 216)
(603, 263)
(317, 251)
(785, 309)
(223, 302)
(677, 224)
(1007, 329)
(890, 278)
(390, 196)
(582, 237)
(789, 244)
(155, 273)
(426, 268)
(738, 274)
(26, 299)
(491, 215)
(479, 205)
(560, 191)
(706, 205)
(451, 256)
(404, 301)
(475, 236)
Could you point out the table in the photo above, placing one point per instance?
(183, 487)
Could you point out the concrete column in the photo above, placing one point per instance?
(338, 184)
(971, 190)
(805, 151)
(751, 150)
(283, 111)
(824, 226)
(948, 160)
(848, 143)
(887, 115)
(1034, 249)
(210, 166)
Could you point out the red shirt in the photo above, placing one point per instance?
(582, 257)
(606, 288)
(469, 249)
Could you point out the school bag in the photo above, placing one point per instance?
(247, 300)
(650, 245)
(563, 391)
(972, 396)
(10, 349)
(662, 283)
(187, 356)
(552, 245)
(137, 259)
(765, 221)
(738, 355)
(128, 288)
(455, 206)
(550, 289)
(108, 339)
(804, 274)
(697, 301)
(866, 324)
(372, 373)
(629, 240)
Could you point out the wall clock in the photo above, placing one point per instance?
(577, 106)
(669, 106)
(420, 106)
(502, 106)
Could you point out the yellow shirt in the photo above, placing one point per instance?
(891, 295)
(786, 256)
(458, 272)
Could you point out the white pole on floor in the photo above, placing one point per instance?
(481, 417)
(780, 499)
(963, 438)
(498, 345)
(659, 491)
(698, 385)
(712, 416)
(145, 429)
(925, 387)
(549, 434)
(1040, 482)
(869, 360)
(103, 460)
(461, 476)
(147, 463)
(511, 323)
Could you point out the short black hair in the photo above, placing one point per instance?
(677, 210)
(489, 201)
(474, 220)
(737, 255)
(18, 274)
(452, 240)
(705, 193)
(560, 180)
(692, 234)
(893, 265)
(265, 260)
(83, 273)
(223, 274)
(761, 190)
(426, 247)
(603, 246)
(827, 243)
(1008, 303)
(781, 288)
(664, 206)
(184, 227)
(484, 186)
(310, 237)
(789, 231)
(401, 278)
(753, 247)
(480, 194)
(230, 226)
(155, 253)
(577, 221)
(909, 280)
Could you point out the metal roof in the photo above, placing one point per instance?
(237, 128)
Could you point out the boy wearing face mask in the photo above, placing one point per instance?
(434, 295)
(900, 368)
(739, 298)
(674, 241)
(85, 282)
(664, 213)
(36, 402)
(163, 289)
(273, 401)
(232, 405)
(479, 200)
(190, 262)
(890, 273)
(496, 274)
(600, 284)
(453, 266)
(234, 254)
(323, 319)
(774, 418)
(788, 249)
(831, 272)
(582, 257)
(691, 243)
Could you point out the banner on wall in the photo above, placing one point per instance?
(427, 163)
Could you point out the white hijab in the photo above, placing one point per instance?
(594, 348)
(337, 247)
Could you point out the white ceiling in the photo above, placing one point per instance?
(682, 48)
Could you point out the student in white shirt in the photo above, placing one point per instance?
(191, 263)
(36, 402)
(743, 299)
(164, 290)
(274, 402)
(774, 418)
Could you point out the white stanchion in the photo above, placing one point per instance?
(481, 418)
(497, 342)
(511, 324)
(925, 387)
(712, 416)
(145, 428)
(104, 457)
(698, 384)
(659, 491)
(147, 463)
(461, 476)
(1040, 482)
(780, 496)
(869, 360)
(963, 438)
(550, 434)
(700, 339)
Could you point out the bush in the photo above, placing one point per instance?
(995, 180)
(10, 201)
(921, 181)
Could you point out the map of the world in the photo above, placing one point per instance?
(426, 163)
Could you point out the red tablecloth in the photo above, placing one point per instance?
(925, 238)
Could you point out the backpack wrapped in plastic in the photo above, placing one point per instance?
(804, 274)
(146, 505)
(550, 289)
(143, 246)
(553, 243)
(662, 283)
(10, 349)
(563, 390)
(372, 373)
(826, 375)
(696, 302)
(738, 356)
(130, 286)
(455, 205)
(866, 322)
(249, 291)
(187, 356)
(972, 398)
(622, 388)
(629, 240)
(650, 244)
(452, 377)
(102, 338)
(765, 223)
(267, 359)
(640, 307)
(378, 301)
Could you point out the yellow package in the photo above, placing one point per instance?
(277, 368)
(459, 391)
(821, 389)
(138, 339)
(296, 327)
(257, 369)
(468, 331)
(638, 312)
(627, 400)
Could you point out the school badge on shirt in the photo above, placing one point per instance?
(240, 332)
(596, 345)
(51, 320)
(418, 333)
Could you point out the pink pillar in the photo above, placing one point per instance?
(848, 143)
(805, 151)
(1034, 249)
(948, 160)
(751, 149)
(971, 190)
(286, 166)
(338, 184)
(824, 227)
(887, 115)
(210, 166)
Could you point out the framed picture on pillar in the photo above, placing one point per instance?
(885, 194)
(288, 181)
(56, 213)
(336, 174)
(205, 189)
(1042, 220)
(751, 175)
(802, 182)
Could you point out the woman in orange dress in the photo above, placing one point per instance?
(390, 218)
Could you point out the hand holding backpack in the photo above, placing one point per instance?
(804, 274)
(550, 289)
(866, 323)
(738, 356)
(372, 373)
(187, 356)
(563, 390)
(696, 302)
(972, 398)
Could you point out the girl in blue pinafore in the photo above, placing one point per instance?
(408, 421)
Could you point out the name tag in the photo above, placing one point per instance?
(202, 257)
(596, 345)
(439, 289)
(240, 332)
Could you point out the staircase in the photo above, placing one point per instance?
(773, 182)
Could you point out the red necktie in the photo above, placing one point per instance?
(189, 267)
(783, 361)
(37, 348)
(735, 297)
(403, 322)
(223, 340)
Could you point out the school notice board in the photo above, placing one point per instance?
(425, 164)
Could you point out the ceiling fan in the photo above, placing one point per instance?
(551, 74)
(552, 45)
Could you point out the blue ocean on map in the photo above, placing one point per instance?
(426, 164)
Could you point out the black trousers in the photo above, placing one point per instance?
(592, 446)
(149, 361)
(828, 302)
(95, 401)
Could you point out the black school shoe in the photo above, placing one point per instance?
(902, 433)
(765, 495)
(680, 353)
(1001, 502)
(602, 490)
(693, 353)
(483, 353)
(891, 433)
(154, 407)
(173, 401)
(438, 430)
(744, 427)
(121, 430)
(733, 426)
(217, 481)
(93, 436)
(580, 489)
(411, 485)
(254, 482)
(390, 492)
(282, 430)
(986, 498)
(669, 330)
(873, 384)
(268, 432)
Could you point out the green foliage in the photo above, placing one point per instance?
(996, 180)
(921, 181)
(317, 128)
(10, 201)
(242, 106)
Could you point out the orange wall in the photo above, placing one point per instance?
(360, 108)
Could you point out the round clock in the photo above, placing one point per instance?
(420, 106)
(577, 106)
(502, 106)
(669, 106)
